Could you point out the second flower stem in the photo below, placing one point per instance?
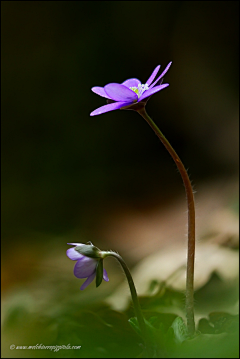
(135, 300)
(191, 222)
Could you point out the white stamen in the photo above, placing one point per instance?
(140, 89)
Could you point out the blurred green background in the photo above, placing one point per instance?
(62, 170)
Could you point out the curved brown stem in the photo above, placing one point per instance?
(191, 222)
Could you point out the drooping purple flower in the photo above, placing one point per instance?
(85, 267)
(130, 93)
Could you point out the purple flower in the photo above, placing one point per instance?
(85, 267)
(130, 93)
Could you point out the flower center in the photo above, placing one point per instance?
(140, 89)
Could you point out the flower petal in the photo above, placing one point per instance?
(131, 83)
(152, 77)
(151, 91)
(75, 244)
(74, 255)
(119, 92)
(162, 74)
(109, 107)
(85, 267)
(100, 91)
(88, 281)
(105, 276)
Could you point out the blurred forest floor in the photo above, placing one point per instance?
(152, 240)
(133, 231)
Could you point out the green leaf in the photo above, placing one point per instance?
(134, 324)
(180, 330)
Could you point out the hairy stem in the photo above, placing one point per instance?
(191, 222)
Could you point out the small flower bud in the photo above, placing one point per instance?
(89, 263)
